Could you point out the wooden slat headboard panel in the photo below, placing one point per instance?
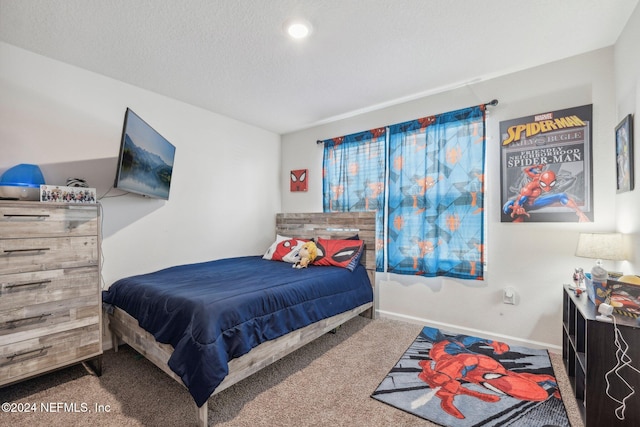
(334, 225)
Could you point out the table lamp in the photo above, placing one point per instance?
(600, 246)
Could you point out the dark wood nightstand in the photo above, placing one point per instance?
(589, 352)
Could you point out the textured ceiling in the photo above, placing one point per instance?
(232, 57)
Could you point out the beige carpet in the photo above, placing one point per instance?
(326, 383)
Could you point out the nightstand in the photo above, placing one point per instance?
(589, 352)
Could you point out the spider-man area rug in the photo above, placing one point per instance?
(458, 380)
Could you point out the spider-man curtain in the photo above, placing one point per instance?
(435, 188)
(436, 215)
(353, 178)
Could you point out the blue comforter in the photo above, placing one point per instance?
(215, 311)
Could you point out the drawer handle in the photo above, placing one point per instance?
(11, 324)
(9, 251)
(24, 353)
(18, 285)
(26, 215)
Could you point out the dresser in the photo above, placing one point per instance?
(50, 299)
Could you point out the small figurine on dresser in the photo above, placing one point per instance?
(578, 277)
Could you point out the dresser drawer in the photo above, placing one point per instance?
(24, 289)
(40, 220)
(24, 255)
(41, 354)
(40, 319)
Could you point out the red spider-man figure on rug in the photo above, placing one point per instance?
(537, 194)
(452, 363)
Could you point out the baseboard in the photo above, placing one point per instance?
(470, 331)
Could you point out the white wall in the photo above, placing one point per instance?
(627, 78)
(534, 258)
(225, 189)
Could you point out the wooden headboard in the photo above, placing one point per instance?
(334, 225)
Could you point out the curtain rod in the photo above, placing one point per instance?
(491, 103)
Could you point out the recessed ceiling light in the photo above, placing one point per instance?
(298, 28)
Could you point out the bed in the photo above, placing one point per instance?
(164, 322)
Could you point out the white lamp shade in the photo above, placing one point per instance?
(600, 246)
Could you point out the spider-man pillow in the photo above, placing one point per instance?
(285, 249)
(341, 253)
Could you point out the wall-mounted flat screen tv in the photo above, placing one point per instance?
(145, 163)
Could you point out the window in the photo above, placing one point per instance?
(425, 178)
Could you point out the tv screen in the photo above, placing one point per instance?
(145, 163)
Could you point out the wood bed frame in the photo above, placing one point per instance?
(307, 225)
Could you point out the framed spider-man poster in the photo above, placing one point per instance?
(546, 165)
(298, 180)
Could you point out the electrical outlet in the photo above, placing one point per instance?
(509, 295)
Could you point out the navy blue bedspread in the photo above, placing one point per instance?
(215, 311)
